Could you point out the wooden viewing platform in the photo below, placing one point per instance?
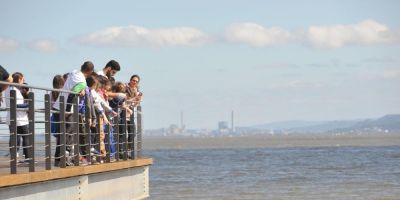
(117, 180)
(123, 175)
(7, 179)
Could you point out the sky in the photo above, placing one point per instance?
(266, 60)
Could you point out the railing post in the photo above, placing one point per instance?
(97, 138)
(107, 142)
(139, 131)
(124, 134)
(62, 131)
(88, 135)
(132, 136)
(13, 131)
(76, 131)
(47, 131)
(31, 136)
(116, 130)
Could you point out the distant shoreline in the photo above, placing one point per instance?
(268, 141)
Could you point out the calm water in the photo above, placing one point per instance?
(276, 173)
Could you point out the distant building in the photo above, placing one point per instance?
(233, 129)
(223, 127)
(173, 129)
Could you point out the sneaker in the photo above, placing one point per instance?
(69, 159)
(93, 151)
(26, 161)
(83, 161)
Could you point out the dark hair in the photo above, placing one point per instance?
(17, 76)
(25, 91)
(65, 76)
(113, 64)
(58, 82)
(87, 67)
(103, 80)
(91, 80)
(119, 87)
(135, 75)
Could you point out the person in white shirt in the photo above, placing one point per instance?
(21, 115)
(111, 68)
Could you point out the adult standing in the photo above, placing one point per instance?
(111, 68)
(135, 98)
(21, 117)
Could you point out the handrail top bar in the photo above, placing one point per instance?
(36, 87)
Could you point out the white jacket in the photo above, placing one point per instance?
(22, 116)
(74, 78)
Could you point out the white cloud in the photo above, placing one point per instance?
(44, 45)
(257, 35)
(7, 44)
(367, 32)
(136, 36)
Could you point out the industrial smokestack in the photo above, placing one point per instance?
(232, 122)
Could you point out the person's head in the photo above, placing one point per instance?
(65, 76)
(25, 91)
(18, 77)
(105, 83)
(119, 87)
(92, 82)
(58, 81)
(111, 68)
(87, 68)
(134, 81)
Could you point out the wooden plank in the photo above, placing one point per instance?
(59, 173)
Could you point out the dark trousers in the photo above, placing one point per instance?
(131, 135)
(83, 137)
(21, 134)
(121, 138)
(69, 139)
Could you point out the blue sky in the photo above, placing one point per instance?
(267, 60)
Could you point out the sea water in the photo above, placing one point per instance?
(276, 173)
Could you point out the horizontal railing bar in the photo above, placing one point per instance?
(36, 87)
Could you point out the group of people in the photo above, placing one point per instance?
(99, 96)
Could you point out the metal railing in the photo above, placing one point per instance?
(78, 141)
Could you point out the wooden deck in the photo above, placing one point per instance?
(40, 174)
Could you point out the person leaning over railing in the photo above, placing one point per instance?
(58, 83)
(133, 90)
(21, 120)
(76, 82)
(85, 106)
(118, 103)
(134, 99)
(102, 107)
